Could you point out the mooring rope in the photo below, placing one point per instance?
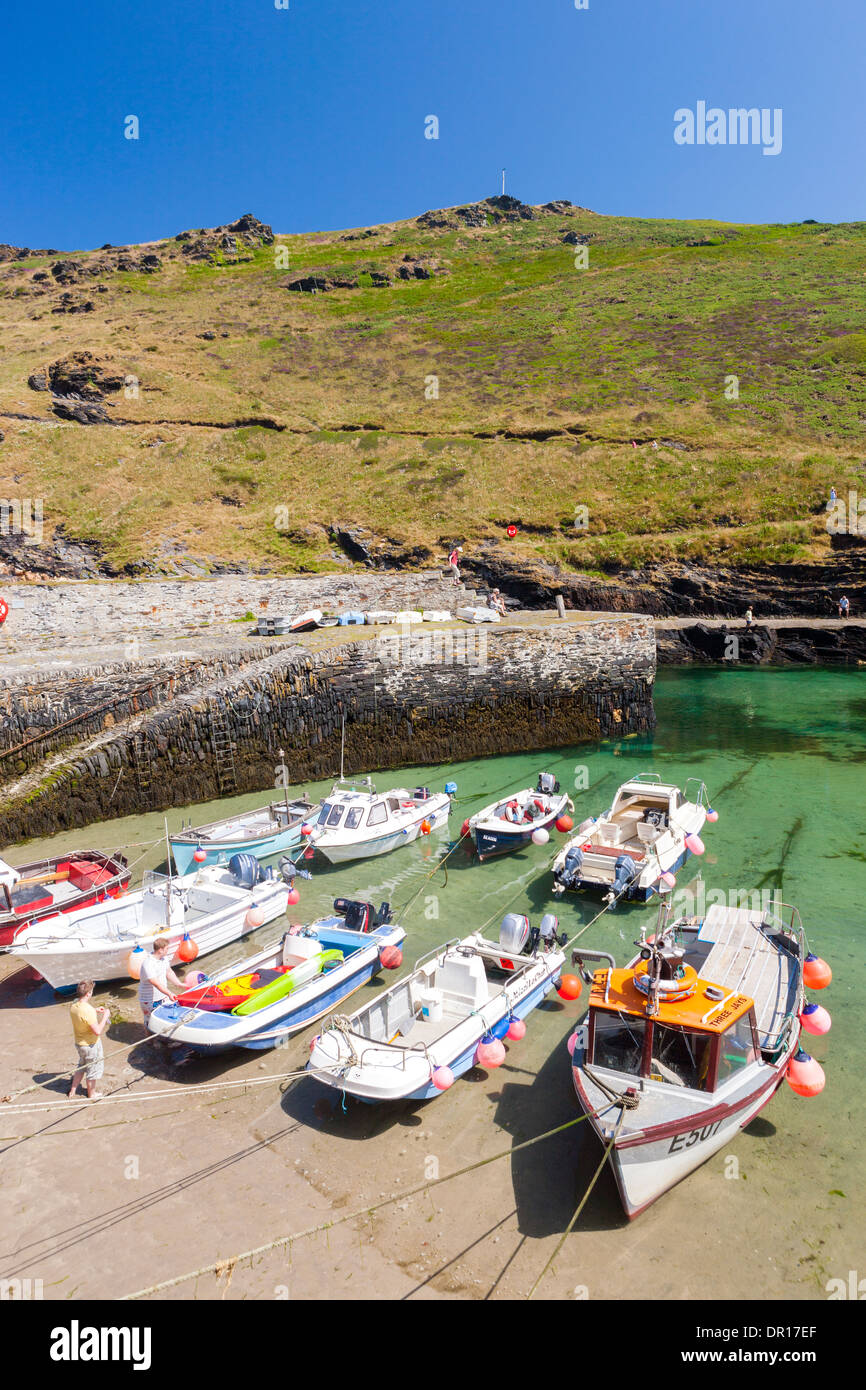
(233, 1260)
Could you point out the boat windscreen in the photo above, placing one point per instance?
(680, 1058)
(736, 1048)
(618, 1042)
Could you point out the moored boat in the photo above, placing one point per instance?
(213, 907)
(37, 892)
(259, 1002)
(265, 831)
(449, 1015)
(512, 822)
(356, 822)
(688, 1042)
(647, 833)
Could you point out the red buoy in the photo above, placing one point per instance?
(569, 987)
(816, 972)
(187, 950)
(391, 957)
(564, 823)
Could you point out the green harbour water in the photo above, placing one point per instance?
(783, 755)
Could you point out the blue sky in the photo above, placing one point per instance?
(313, 117)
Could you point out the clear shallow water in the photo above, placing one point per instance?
(783, 754)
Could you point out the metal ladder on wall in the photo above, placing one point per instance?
(141, 767)
(223, 751)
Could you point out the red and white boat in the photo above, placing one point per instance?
(36, 892)
(688, 1042)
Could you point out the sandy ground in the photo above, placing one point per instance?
(101, 1200)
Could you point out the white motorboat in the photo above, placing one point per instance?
(215, 905)
(684, 1045)
(511, 822)
(447, 1016)
(478, 615)
(649, 831)
(357, 822)
(262, 1001)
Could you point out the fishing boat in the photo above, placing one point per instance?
(39, 891)
(514, 821)
(260, 1002)
(262, 832)
(213, 906)
(449, 1015)
(357, 822)
(649, 831)
(684, 1045)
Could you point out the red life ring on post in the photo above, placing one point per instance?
(4, 611)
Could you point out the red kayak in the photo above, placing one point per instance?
(38, 892)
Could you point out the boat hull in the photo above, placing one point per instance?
(491, 840)
(341, 852)
(220, 851)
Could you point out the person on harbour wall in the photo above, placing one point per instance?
(844, 607)
(88, 1025)
(497, 603)
(750, 618)
(454, 562)
(156, 975)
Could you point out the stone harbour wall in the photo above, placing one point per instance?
(408, 698)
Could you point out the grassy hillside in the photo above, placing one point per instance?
(548, 376)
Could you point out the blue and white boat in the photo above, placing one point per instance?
(260, 1002)
(263, 832)
(510, 823)
(416, 1037)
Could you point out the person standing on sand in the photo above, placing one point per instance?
(844, 606)
(156, 974)
(454, 562)
(88, 1025)
(749, 618)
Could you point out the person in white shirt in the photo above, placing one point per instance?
(156, 976)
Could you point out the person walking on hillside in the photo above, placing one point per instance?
(844, 607)
(156, 974)
(454, 562)
(88, 1025)
(832, 497)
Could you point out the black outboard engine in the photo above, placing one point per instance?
(358, 915)
(383, 916)
(547, 784)
(246, 869)
(625, 871)
(569, 874)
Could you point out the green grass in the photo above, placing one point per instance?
(639, 346)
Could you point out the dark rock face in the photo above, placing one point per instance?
(410, 269)
(327, 280)
(68, 305)
(66, 272)
(762, 646)
(504, 208)
(62, 558)
(226, 243)
(577, 238)
(80, 375)
(82, 412)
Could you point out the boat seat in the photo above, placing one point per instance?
(614, 851)
(647, 834)
(463, 982)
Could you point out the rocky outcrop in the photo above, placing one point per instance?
(226, 244)
(762, 645)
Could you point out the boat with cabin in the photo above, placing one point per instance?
(37, 892)
(357, 822)
(648, 832)
(511, 822)
(684, 1045)
(449, 1015)
(262, 1001)
(265, 831)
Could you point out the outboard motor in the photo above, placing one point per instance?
(625, 871)
(246, 869)
(383, 916)
(548, 930)
(547, 784)
(358, 915)
(570, 872)
(514, 933)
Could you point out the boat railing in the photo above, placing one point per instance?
(437, 950)
(702, 794)
(646, 777)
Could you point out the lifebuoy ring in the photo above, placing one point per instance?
(4, 610)
(671, 991)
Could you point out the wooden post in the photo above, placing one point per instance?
(560, 605)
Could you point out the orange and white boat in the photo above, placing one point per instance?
(683, 1046)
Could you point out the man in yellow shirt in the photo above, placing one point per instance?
(88, 1025)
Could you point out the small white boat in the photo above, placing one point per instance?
(424, 1031)
(478, 615)
(649, 830)
(379, 616)
(259, 1002)
(436, 615)
(305, 622)
(409, 615)
(511, 822)
(213, 907)
(263, 832)
(357, 822)
(688, 1042)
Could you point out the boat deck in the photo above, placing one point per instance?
(743, 957)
